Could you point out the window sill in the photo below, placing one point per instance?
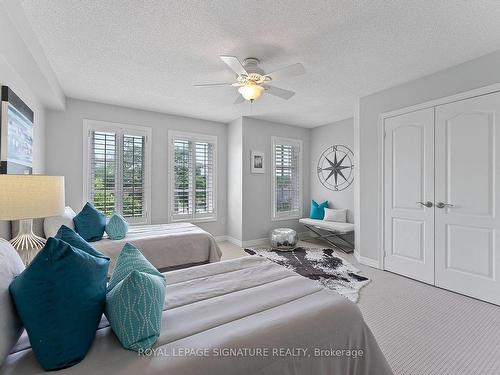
(285, 218)
(142, 222)
(202, 220)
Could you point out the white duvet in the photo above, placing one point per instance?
(241, 316)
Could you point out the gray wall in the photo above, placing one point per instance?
(467, 76)
(64, 155)
(322, 137)
(234, 180)
(257, 187)
(12, 53)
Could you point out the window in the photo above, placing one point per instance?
(286, 178)
(117, 170)
(192, 177)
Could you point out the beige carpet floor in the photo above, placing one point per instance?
(423, 329)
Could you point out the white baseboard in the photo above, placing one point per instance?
(234, 241)
(366, 261)
(220, 238)
(240, 243)
(249, 243)
(256, 242)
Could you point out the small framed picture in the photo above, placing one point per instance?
(257, 160)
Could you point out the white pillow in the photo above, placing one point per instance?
(10, 325)
(52, 224)
(340, 216)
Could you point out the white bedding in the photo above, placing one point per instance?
(237, 304)
(165, 245)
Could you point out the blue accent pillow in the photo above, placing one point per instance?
(90, 223)
(60, 298)
(134, 303)
(318, 210)
(117, 227)
(69, 236)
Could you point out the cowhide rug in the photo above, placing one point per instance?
(320, 264)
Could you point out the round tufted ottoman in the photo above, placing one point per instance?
(284, 239)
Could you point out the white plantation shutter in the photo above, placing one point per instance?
(287, 178)
(183, 178)
(117, 175)
(103, 171)
(192, 187)
(204, 178)
(132, 197)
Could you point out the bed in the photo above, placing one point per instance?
(218, 316)
(166, 246)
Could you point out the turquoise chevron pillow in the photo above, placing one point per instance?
(60, 298)
(134, 302)
(117, 227)
(90, 223)
(318, 210)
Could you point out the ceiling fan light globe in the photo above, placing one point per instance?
(251, 91)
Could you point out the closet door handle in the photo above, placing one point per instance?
(443, 205)
(426, 204)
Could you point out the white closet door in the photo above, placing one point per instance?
(409, 179)
(467, 172)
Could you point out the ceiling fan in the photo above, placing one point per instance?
(252, 81)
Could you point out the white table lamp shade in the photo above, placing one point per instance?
(31, 196)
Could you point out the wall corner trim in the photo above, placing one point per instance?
(220, 238)
(255, 242)
(367, 261)
(233, 240)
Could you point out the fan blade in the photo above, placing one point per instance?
(289, 71)
(212, 84)
(235, 65)
(280, 93)
(240, 99)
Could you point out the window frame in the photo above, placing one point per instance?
(120, 130)
(193, 217)
(293, 214)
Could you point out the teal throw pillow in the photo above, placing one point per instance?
(318, 210)
(68, 235)
(135, 298)
(90, 223)
(60, 298)
(117, 227)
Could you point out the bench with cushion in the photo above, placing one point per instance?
(326, 230)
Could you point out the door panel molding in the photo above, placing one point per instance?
(467, 260)
(479, 241)
(409, 226)
(416, 134)
(482, 161)
(420, 237)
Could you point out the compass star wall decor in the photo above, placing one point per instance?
(335, 168)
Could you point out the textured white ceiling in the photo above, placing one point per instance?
(148, 54)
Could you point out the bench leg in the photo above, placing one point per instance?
(326, 238)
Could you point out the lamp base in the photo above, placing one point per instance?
(27, 243)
